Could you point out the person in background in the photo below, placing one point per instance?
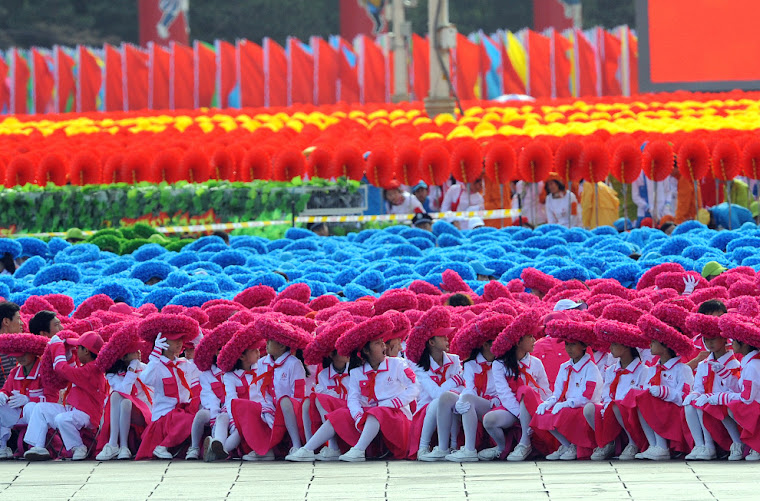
(7, 264)
(400, 201)
(464, 197)
(475, 223)
(75, 235)
(557, 204)
(45, 323)
(10, 323)
(643, 194)
(484, 274)
(608, 205)
(223, 235)
(717, 217)
(422, 221)
(320, 229)
(712, 270)
(421, 192)
(528, 201)
(460, 223)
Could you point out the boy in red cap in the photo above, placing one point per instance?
(24, 388)
(82, 404)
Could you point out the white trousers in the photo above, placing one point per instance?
(66, 419)
(10, 417)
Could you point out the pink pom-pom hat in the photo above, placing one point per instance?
(452, 282)
(180, 327)
(247, 338)
(212, 342)
(614, 331)
(434, 322)
(299, 291)
(494, 290)
(62, 303)
(622, 312)
(675, 280)
(258, 295)
(243, 317)
(565, 290)
(36, 304)
(655, 329)
(324, 301)
(123, 341)
(396, 299)
(220, 313)
(699, 296)
(474, 334)
(401, 325)
(571, 331)
(740, 328)
(672, 314)
(649, 277)
(91, 304)
(707, 326)
(422, 287)
(362, 309)
(526, 323)
(291, 307)
(613, 287)
(274, 327)
(16, 345)
(324, 343)
(359, 335)
(537, 280)
(515, 285)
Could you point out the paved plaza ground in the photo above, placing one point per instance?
(379, 480)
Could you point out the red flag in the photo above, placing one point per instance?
(420, 67)
(64, 77)
(326, 71)
(158, 80)
(44, 82)
(251, 66)
(205, 67)
(561, 48)
(585, 56)
(513, 84)
(539, 65)
(371, 71)
(300, 73)
(610, 53)
(114, 83)
(226, 71)
(4, 91)
(88, 82)
(276, 75)
(19, 85)
(348, 91)
(181, 86)
(136, 77)
(633, 61)
(466, 68)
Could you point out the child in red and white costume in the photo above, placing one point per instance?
(439, 376)
(130, 399)
(395, 341)
(212, 394)
(23, 388)
(480, 394)
(274, 410)
(578, 383)
(610, 418)
(660, 405)
(379, 393)
(718, 373)
(521, 385)
(171, 412)
(741, 407)
(82, 404)
(331, 391)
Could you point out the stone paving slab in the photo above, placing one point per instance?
(379, 481)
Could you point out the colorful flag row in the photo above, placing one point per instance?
(574, 63)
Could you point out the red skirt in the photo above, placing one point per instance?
(606, 426)
(571, 424)
(542, 441)
(139, 409)
(169, 430)
(415, 431)
(712, 416)
(628, 412)
(394, 427)
(747, 416)
(328, 403)
(665, 418)
(255, 431)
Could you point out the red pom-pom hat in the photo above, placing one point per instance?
(477, 332)
(169, 326)
(274, 327)
(122, 342)
(355, 338)
(571, 331)
(324, 343)
(396, 299)
(435, 322)
(16, 345)
(740, 328)
(401, 325)
(246, 338)
(212, 342)
(657, 330)
(258, 295)
(705, 325)
(614, 331)
(538, 280)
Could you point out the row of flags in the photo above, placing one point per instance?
(572, 63)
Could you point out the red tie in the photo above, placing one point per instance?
(528, 378)
(441, 372)
(173, 366)
(339, 387)
(710, 379)
(657, 378)
(371, 375)
(268, 377)
(567, 383)
(66, 393)
(244, 379)
(616, 381)
(481, 379)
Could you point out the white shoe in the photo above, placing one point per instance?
(37, 454)
(208, 454)
(193, 453)
(301, 455)
(490, 454)
(654, 453)
(629, 452)
(695, 453)
(327, 454)
(603, 453)
(437, 454)
(252, 456)
(736, 453)
(422, 452)
(557, 454)
(570, 454)
(353, 455)
(162, 452)
(752, 456)
(462, 455)
(124, 453)
(706, 454)
(109, 452)
(79, 453)
(6, 453)
(520, 452)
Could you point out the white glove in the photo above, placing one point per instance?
(700, 400)
(543, 407)
(655, 391)
(357, 420)
(134, 365)
(462, 407)
(691, 397)
(196, 341)
(55, 339)
(558, 407)
(268, 417)
(18, 400)
(160, 343)
(713, 399)
(604, 409)
(3, 399)
(690, 283)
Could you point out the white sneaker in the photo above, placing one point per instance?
(462, 455)
(490, 454)
(6, 453)
(353, 455)
(124, 453)
(695, 453)
(603, 453)
(37, 454)
(520, 452)
(109, 452)
(301, 455)
(752, 456)
(557, 454)
(736, 453)
(193, 453)
(437, 454)
(252, 456)
(327, 454)
(162, 452)
(422, 452)
(706, 454)
(570, 454)
(654, 453)
(208, 454)
(629, 452)
(79, 453)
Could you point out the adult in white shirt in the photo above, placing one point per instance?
(557, 205)
(401, 201)
(643, 195)
(464, 197)
(526, 196)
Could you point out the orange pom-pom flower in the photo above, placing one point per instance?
(693, 159)
(500, 162)
(657, 160)
(725, 160)
(626, 162)
(535, 162)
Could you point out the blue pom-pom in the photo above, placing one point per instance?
(448, 240)
(543, 242)
(355, 291)
(160, 296)
(258, 245)
(33, 247)
(278, 244)
(440, 227)
(57, 244)
(304, 244)
(203, 242)
(203, 286)
(273, 280)
(404, 250)
(79, 253)
(299, 233)
(605, 230)
(688, 226)
(148, 251)
(151, 269)
(116, 291)
(742, 242)
(9, 246)
(195, 298)
(371, 280)
(57, 273)
(30, 267)
(674, 246)
(229, 258)
(202, 267)
(722, 238)
(626, 274)
(421, 243)
(417, 233)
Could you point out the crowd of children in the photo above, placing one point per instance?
(537, 368)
